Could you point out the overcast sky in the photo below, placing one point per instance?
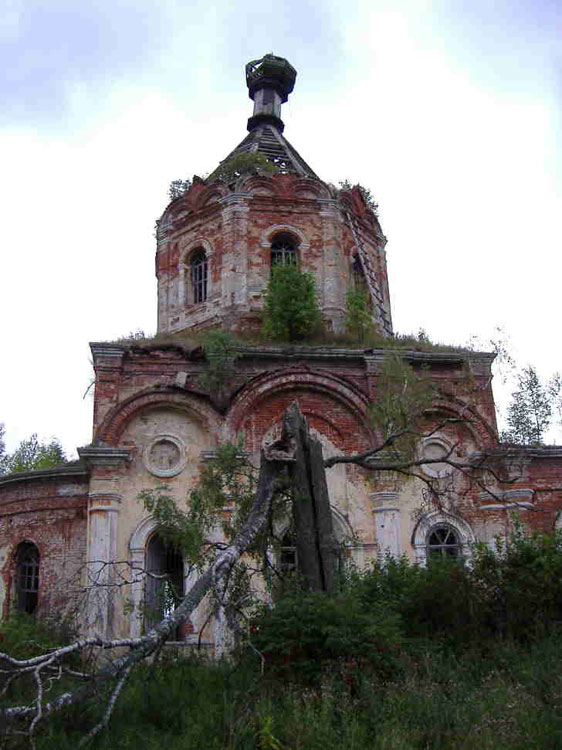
(449, 111)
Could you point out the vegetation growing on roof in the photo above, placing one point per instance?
(366, 194)
(221, 356)
(243, 162)
(192, 341)
(178, 188)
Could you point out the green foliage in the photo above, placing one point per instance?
(178, 188)
(365, 193)
(291, 312)
(227, 480)
(438, 602)
(243, 162)
(522, 582)
(24, 636)
(530, 411)
(358, 314)
(398, 607)
(137, 335)
(446, 656)
(32, 454)
(555, 393)
(305, 634)
(221, 357)
(403, 396)
(2, 449)
(509, 698)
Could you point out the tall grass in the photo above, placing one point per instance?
(509, 699)
(446, 656)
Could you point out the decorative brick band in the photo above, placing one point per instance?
(115, 422)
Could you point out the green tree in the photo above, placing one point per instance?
(292, 470)
(178, 188)
(32, 454)
(530, 410)
(358, 314)
(221, 356)
(291, 311)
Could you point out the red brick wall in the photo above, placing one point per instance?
(51, 513)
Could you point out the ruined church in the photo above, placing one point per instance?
(154, 423)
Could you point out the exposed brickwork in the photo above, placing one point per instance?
(236, 230)
(150, 405)
(50, 512)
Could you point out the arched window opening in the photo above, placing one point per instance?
(359, 278)
(284, 250)
(288, 561)
(358, 271)
(164, 580)
(27, 577)
(442, 542)
(199, 268)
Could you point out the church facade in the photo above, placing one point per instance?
(70, 528)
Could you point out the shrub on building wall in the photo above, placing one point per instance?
(291, 312)
(358, 314)
(221, 357)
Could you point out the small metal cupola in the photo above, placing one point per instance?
(270, 80)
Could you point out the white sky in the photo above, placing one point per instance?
(450, 112)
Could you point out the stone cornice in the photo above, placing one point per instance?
(104, 455)
(63, 471)
(301, 351)
(514, 452)
(109, 350)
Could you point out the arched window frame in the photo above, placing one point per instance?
(286, 558)
(138, 546)
(284, 250)
(430, 523)
(26, 580)
(165, 587)
(271, 233)
(443, 541)
(185, 292)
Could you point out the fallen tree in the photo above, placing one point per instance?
(295, 461)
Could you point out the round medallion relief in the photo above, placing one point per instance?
(434, 448)
(165, 456)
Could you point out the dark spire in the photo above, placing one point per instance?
(270, 80)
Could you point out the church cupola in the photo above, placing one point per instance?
(218, 241)
(270, 81)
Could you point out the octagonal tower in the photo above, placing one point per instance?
(264, 205)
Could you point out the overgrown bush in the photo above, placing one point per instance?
(305, 637)
(522, 582)
(221, 358)
(243, 162)
(358, 314)
(291, 312)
